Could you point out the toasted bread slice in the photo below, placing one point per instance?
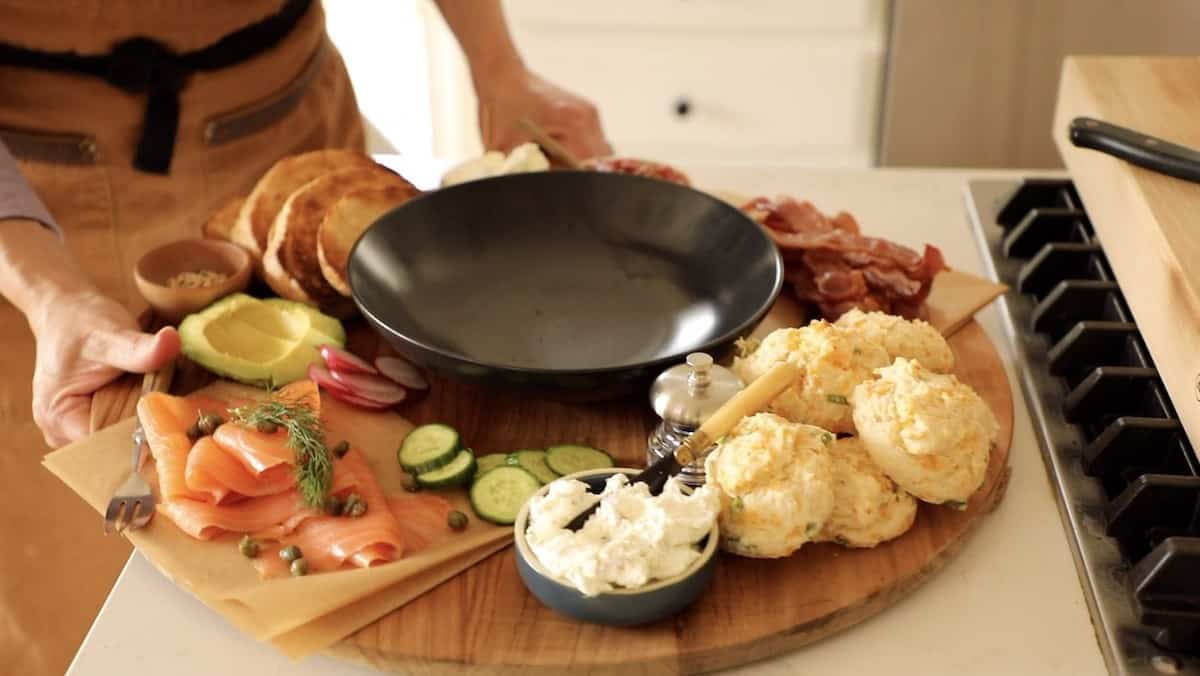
(220, 224)
(348, 219)
(254, 221)
(292, 247)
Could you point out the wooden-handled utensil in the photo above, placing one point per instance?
(747, 402)
(555, 150)
(117, 400)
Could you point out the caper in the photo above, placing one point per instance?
(266, 426)
(457, 520)
(357, 509)
(193, 431)
(290, 553)
(409, 482)
(334, 505)
(299, 567)
(248, 546)
(341, 448)
(348, 503)
(209, 422)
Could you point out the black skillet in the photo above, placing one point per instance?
(580, 284)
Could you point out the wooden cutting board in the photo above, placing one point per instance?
(1149, 224)
(484, 621)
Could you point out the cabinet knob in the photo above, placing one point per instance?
(683, 106)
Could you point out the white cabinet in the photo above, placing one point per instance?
(699, 82)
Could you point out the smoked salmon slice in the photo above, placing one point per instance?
(257, 452)
(213, 470)
(165, 420)
(240, 480)
(328, 542)
(268, 515)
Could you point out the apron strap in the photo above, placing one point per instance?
(145, 65)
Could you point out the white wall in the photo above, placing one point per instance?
(384, 45)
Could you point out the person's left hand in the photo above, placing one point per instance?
(504, 98)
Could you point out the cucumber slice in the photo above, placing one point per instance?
(500, 493)
(571, 458)
(489, 461)
(534, 462)
(457, 472)
(428, 447)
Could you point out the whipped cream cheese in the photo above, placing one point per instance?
(633, 539)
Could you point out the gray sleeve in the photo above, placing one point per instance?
(17, 199)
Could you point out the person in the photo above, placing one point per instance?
(123, 125)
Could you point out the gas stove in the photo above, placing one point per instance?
(1126, 477)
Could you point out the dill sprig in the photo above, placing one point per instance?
(306, 436)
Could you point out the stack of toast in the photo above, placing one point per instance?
(302, 218)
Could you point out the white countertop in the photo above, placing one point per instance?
(1009, 603)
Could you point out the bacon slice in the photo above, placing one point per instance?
(831, 264)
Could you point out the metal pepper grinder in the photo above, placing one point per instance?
(684, 396)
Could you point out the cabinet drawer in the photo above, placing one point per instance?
(690, 15)
(773, 97)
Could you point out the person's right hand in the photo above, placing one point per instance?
(85, 341)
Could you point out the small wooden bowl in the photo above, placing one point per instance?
(190, 255)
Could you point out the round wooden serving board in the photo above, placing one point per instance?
(484, 621)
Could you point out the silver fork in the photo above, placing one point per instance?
(132, 506)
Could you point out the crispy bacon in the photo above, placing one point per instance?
(631, 165)
(831, 264)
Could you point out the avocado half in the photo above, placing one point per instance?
(261, 342)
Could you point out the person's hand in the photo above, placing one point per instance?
(85, 341)
(506, 97)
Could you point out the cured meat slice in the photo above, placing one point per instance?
(260, 451)
(637, 167)
(831, 264)
(215, 471)
(256, 451)
(328, 542)
(204, 521)
(165, 420)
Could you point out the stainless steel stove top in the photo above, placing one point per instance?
(1125, 475)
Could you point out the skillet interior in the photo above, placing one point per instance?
(542, 276)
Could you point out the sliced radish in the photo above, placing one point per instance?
(324, 380)
(402, 372)
(358, 401)
(366, 386)
(341, 360)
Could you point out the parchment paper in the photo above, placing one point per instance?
(298, 615)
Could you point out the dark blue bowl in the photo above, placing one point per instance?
(653, 602)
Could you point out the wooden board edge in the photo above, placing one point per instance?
(761, 647)
(701, 662)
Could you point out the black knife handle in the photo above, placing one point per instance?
(1137, 148)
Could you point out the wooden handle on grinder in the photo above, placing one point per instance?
(747, 402)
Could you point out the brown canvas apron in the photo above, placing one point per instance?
(75, 137)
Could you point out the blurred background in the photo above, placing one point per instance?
(845, 83)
